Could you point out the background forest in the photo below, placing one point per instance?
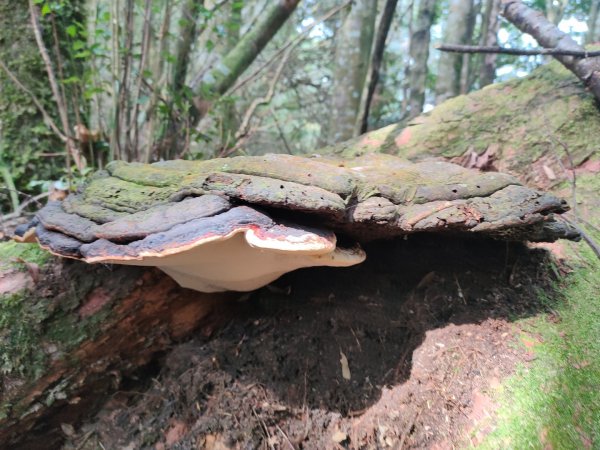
(83, 82)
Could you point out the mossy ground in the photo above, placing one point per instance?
(16, 255)
(554, 402)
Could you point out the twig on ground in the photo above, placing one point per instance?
(406, 430)
(586, 237)
(264, 427)
(285, 436)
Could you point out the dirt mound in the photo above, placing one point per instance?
(398, 352)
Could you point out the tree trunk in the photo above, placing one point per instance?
(229, 123)
(450, 65)
(592, 23)
(489, 37)
(190, 11)
(222, 77)
(555, 10)
(352, 56)
(370, 84)
(467, 69)
(73, 333)
(419, 55)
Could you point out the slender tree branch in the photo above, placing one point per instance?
(72, 149)
(453, 48)
(372, 79)
(244, 127)
(47, 119)
(548, 35)
(19, 210)
(291, 42)
(586, 237)
(281, 133)
(59, 64)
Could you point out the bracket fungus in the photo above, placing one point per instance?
(240, 223)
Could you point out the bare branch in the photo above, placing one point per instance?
(549, 36)
(18, 212)
(586, 237)
(47, 119)
(454, 48)
(243, 129)
(291, 42)
(72, 149)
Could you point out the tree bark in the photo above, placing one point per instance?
(352, 55)
(419, 55)
(489, 38)
(592, 23)
(383, 29)
(450, 66)
(222, 77)
(190, 11)
(78, 331)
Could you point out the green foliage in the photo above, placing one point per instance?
(28, 148)
(23, 136)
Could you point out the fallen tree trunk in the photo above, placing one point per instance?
(72, 333)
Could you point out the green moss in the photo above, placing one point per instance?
(552, 101)
(146, 175)
(123, 196)
(16, 255)
(555, 402)
(20, 350)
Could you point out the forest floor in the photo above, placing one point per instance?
(412, 349)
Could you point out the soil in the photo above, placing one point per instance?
(403, 351)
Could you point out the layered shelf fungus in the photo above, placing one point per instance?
(240, 223)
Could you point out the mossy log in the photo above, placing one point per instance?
(131, 209)
(71, 332)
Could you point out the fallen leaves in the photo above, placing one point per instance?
(345, 367)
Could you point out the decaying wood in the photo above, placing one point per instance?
(132, 206)
(93, 327)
